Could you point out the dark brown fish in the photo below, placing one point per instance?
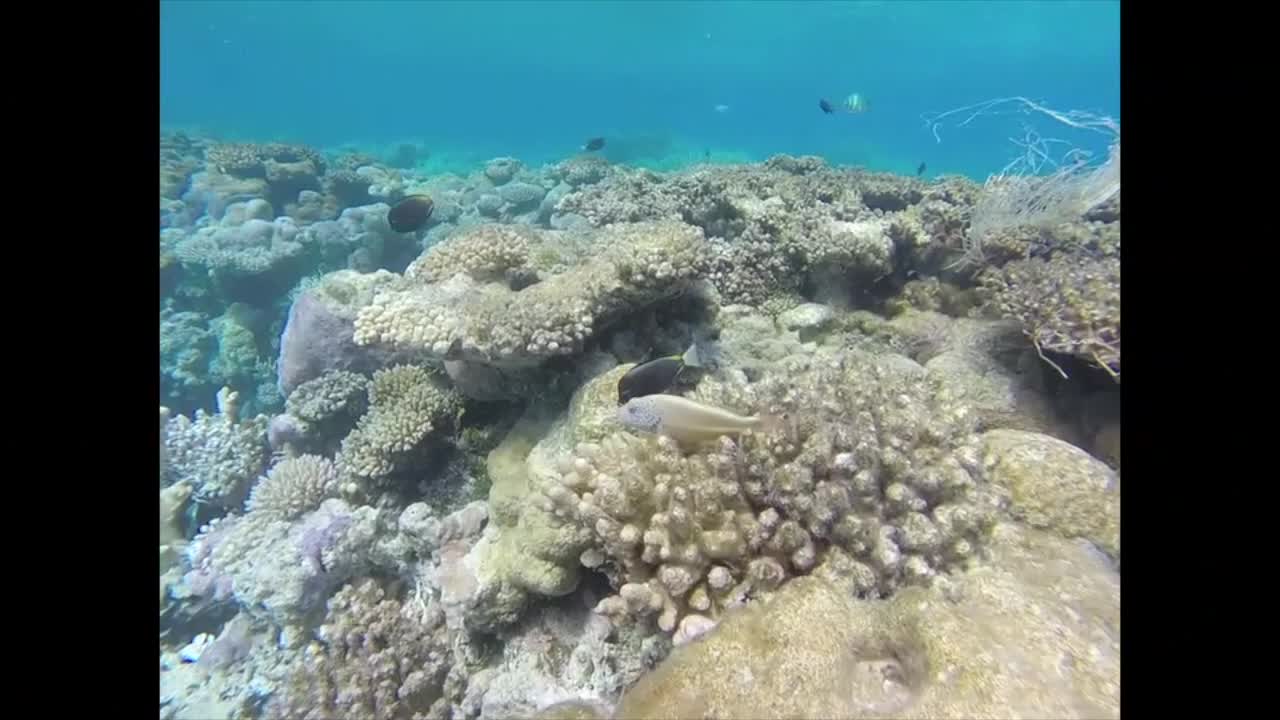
(920, 170)
(594, 144)
(659, 374)
(411, 213)
(826, 106)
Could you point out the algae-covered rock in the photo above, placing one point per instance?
(1055, 486)
(527, 550)
(1036, 633)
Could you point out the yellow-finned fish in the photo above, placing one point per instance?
(686, 421)
(659, 374)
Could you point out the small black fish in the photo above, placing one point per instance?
(920, 170)
(659, 374)
(593, 144)
(411, 213)
(826, 106)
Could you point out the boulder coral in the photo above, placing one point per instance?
(1035, 633)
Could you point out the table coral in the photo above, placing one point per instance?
(463, 319)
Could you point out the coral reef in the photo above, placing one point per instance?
(218, 455)
(319, 333)
(294, 486)
(252, 247)
(280, 571)
(1066, 304)
(1035, 633)
(877, 460)
(1056, 486)
(407, 406)
(561, 653)
(375, 656)
(929, 527)
(634, 266)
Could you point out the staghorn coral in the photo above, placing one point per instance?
(294, 487)
(407, 406)
(635, 266)
(375, 656)
(1067, 304)
(878, 461)
(218, 455)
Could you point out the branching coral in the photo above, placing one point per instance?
(407, 406)
(376, 657)
(218, 455)
(1067, 304)
(332, 398)
(879, 460)
(293, 487)
(485, 252)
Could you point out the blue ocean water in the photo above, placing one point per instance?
(669, 83)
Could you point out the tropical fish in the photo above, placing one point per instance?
(826, 106)
(920, 170)
(658, 374)
(594, 144)
(856, 103)
(411, 213)
(686, 421)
